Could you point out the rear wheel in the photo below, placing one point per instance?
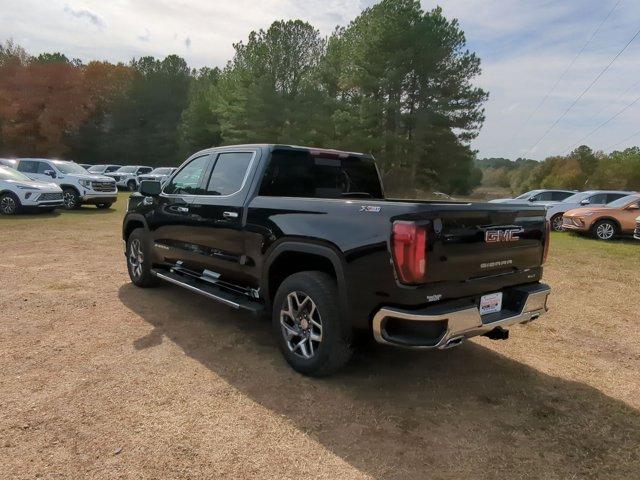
(70, 199)
(139, 259)
(307, 322)
(9, 204)
(556, 222)
(605, 230)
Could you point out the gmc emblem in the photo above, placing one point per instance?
(506, 235)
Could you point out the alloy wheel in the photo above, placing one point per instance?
(8, 205)
(69, 200)
(557, 223)
(605, 231)
(301, 324)
(135, 258)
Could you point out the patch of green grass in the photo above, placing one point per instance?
(571, 243)
(63, 217)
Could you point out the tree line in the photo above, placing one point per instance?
(395, 82)
(582, 169)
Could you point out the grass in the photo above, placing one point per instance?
(566, 243)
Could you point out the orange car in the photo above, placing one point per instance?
(604, 223)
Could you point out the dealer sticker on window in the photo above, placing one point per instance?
(491, 303)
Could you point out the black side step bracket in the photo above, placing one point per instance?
(232, 300)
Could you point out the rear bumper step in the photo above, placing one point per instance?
(435, 327)
(210, 291)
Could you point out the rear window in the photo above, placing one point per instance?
(300, 174)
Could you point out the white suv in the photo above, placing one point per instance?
(127, 177)
(78, 186)
(18, 191)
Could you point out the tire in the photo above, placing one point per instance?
(132, 186)
(71, 199)
(604, 230)
(103, 206)
(297, 323)
(138, 257)
(556, 223)
(9, 204)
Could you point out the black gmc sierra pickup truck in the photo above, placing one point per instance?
(307, 236)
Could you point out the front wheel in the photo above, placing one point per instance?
(131, 185)
(9, 204)
(70, 199)
(605, 230)
(139, 260)
(307, 322)
(556, 222)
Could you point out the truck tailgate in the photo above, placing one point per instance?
(468, 242)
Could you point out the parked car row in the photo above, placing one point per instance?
(601, 213)
(28, 183)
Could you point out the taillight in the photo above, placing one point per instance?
(547, 240)
(409, 245)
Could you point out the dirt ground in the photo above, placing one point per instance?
(100, 379)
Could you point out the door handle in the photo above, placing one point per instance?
(182, 209)
(230, 214)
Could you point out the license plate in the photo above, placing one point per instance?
(491, 303)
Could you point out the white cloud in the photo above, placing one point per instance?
(524, 46)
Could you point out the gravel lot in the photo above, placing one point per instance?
(99, 379)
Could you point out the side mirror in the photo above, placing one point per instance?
(531, 199)
(634, 206)
(150, 188)
(51, 173)
(585, 202)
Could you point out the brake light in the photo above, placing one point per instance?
(409, 245)
(547, 240)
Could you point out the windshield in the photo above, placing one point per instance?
(576, 198)
(161, 171)
(97, 168)
(11, 174)
(126, 170)
(68, 167)
(621, 202)
(528, 194)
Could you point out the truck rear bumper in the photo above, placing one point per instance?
(448, 325)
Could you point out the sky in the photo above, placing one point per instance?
(524, 46)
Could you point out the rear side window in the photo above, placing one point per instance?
(28, 166)
(614, 196)
(187, 180)
(559, 196)
(228, 173)
(300, 174)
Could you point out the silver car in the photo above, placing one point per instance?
(589, 198)
(545, 197)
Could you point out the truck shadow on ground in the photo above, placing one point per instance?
(401, 414)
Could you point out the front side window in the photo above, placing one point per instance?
(144, 170)
(300, 174)
(43, 167)
(97, 169)
(228, 173)
(187, 180)
(69, 167)
(598, 199)
(111, 168)
(542, 197)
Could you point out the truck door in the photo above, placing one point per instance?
(218, 215)
(171, 221)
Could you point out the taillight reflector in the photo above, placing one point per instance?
(547, 240)
(409, 245)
